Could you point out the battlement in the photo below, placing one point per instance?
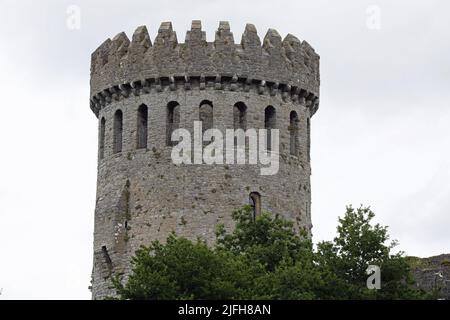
(120, 67)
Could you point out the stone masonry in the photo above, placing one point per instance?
(141, 91)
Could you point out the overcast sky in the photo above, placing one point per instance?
(381, 136)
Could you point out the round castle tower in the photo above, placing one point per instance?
(141, 92)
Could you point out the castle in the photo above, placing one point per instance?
(142, 91)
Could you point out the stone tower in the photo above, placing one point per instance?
(142, 91)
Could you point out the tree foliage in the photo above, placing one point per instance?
(266, 259)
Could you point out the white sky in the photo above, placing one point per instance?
(381, 136)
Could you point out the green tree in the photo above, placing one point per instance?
(181, 269)
(265, 258)
(358, 244)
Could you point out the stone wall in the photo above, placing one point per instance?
(434, 274)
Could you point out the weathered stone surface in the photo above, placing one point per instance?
(289, 62)
(433, 273)
(141, 195)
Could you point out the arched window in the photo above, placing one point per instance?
(142, 127)
(206, 116)
(308, 133)
(173, 120)
(293, 131)
(269, 124)
(240, 116)
(255, 203)
(102, 138)
(118, 131)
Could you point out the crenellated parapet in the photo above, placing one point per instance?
(120, 67)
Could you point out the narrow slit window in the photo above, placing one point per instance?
(240, 116)
(142, 127)
(239, 120)
(102, 138)
(118, 131)
(293, 132)
(173, 120)
(255, 203)
(269, 124)
(206, 117)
